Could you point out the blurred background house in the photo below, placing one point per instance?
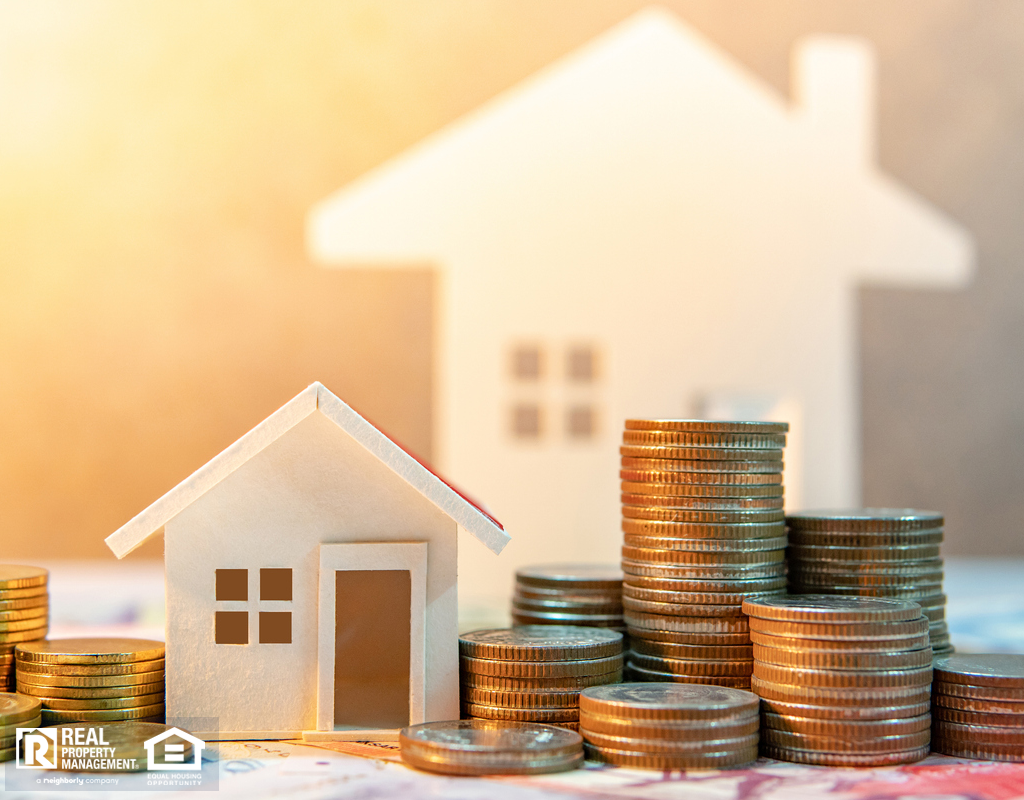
(157, 298)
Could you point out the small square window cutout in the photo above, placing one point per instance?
(581, 364)
(580, 422)
(275, 584)
(527, 363)
(232, 584)
(231, 627)
(275, 627)
(526, 421)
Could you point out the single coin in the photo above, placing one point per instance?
(23, 614)
(979, 751)
(665, 761)
(718, 454)
(703, 466)
(521, 714)
(856, 578)
(892, 569)
(113, 715)
(702, 479)
(832, 659)
(839, 695)
(865, 519)
(706, 426)
(630, 604)
(524, 617)
(772, 737)
(633, 672)
(784, 642)
(942, 714)
(630, 592)
(725, 572)
(852, 556)
(834, 678)
(571, 576)
(710, 439)
(526, 767)
(709, 545)
(843, 759)
(868, 712)
(1001, 670)
(683, 624)
(540, 669)
(734, 639)
(15, 708)
(515, 742)
(521, 699)
(918, 595)
(16, 576)
(741, 492)
(669, 746)
(704, 586)
(686, 505)
(101, 703)
(678, 729)
(91, 651)
(129, 668)
(568, 591)
(678, 558)
(964, 690)
(10, 731)
(868, 540)
(693, 669)
(848, 631)
(822, 608)
(93, 692)
(20, 637)
(538, 684)
(706, 517)
(23, 625)
(853, 730)
(691, 652)
(977, 705)
(541, 643)
(127, 740)
(975, 734)
(29, 683)
(578, 606)
(29, 593)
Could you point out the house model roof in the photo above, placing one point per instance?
(315, 399)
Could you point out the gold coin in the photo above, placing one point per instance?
(721, 550)
(713, 454)
(822, 759)
(783, 642)
(1011, 693)
(673, 746)
(521, 699)
(27, 612)
(112, 715)
(11, 730)
(631, 604)
(691, 652)
(524, 618)
(973, 704)
(541, 643)
(7, 755)
(702, 531)
(839, 696)
(940, 714)
(702, 479)
(16, 576)
(92, 651)
(521, 714)
(697, 598)
(22, 636)
(686, 729)
(848, 631)
(690, 490)
(852, 556)
(29, 668)
(689, 572)
(657, 637)
(978, 750)
(982, 669)
(833, 659)
(693, 668)
(571, 605)
(497, 766)
(638, 673)
(771, 737)
(869, 540)
(15, 707)
(705, 425)
(710, 439)
(826, 608)
(918, 676)
(704, 517)
(540, 669)
(94, 692)
(853, 713)
(28, 683)
(691, 503)
(22, 625)
(705, 560)
(702, 466)
(685, 624)
(976, 734)
(854, 730)
(101, 703)
(868, 519)
(575, 683)
(666, 761)
(29, 593)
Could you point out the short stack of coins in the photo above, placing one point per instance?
(702, 508)
(94, 679)
(873, 552)
(844, 681)
(978, 706)
(16, 711)
(534, 673)
(669, 725)
(569, 594)
(24, 613)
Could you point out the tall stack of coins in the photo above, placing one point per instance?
(535, 673)
(874, 552)
(490, 747)
(24, 613)
(844, 681)
(669, 725)
(978, 706)
(703, 522)
(569, 594)
(94, 680)
(16, 711)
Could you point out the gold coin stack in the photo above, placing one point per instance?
(702, 508)
(844, 681)
(24, 613)
(569, 594)
(535, 673)
(490, 747)
(94, 680)
(669, 725)
(978, 706)
(16, 712)
(872, 552)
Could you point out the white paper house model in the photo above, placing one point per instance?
(642, 224)
(311, 580)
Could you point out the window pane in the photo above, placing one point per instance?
(232, 584)
(231, 627)
(275, 627)
(526, 363)
(526, 421)
(580, 422)
(581, 364)
(275, 584)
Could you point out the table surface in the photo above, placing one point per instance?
(985, 610)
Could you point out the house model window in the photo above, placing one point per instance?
(232, 627)
(526, 421)
(527, 362)
(581, 364)
(580, 422)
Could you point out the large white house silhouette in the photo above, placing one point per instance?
(640, 224)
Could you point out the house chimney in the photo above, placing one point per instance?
(834, 87)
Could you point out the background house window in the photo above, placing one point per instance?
(275, 584)
(233, 584)
(526, 421)
(580, 422)
(275, 627)
(527, 362)
(231, 627)
(581, 364)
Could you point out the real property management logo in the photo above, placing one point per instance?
(88, 749)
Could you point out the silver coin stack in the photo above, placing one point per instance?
(569, 594)
(844, 681)
(872, 552)
(978, 706)
(702, 508)
(535, 673)
(669, 725)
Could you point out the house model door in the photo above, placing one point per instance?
(371, 638)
